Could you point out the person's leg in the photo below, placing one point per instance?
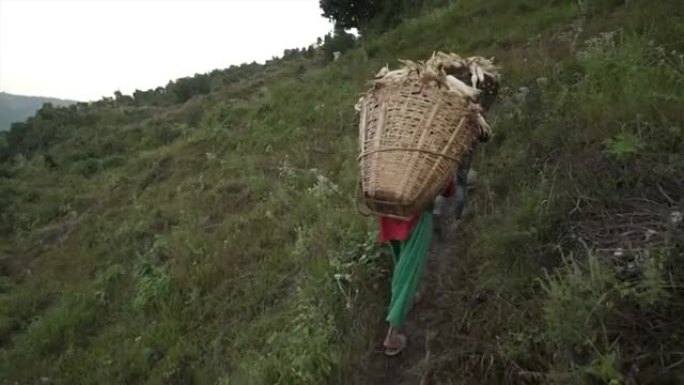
(406, 278)
(461, 195)
(394, 341)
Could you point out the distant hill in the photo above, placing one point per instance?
(17, 108)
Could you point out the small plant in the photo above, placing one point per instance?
(623, 146)
(606, 368)
(152, 285)
(652, 288)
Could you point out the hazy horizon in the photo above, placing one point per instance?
(84, 50)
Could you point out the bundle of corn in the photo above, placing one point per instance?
(415, 124)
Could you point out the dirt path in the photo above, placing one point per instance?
(413, 365)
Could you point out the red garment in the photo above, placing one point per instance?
(392, 229)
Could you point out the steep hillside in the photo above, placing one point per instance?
(209, 236)
(17, 108)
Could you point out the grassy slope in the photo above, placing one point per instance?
(200, 243)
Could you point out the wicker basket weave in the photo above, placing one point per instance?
(412, 137)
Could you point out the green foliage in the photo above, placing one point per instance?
(582, 311)
(205, 232)
(348, 13)
(152, 284)
(88, 167)
(376, 15)
(623, 146)
(185, 88)
(67, 324)
(578, 300)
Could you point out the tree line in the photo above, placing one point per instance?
(374, 15)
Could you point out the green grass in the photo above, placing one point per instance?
(217, 242)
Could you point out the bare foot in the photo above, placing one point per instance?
(395, 342)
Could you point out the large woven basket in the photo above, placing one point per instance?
(412, 137)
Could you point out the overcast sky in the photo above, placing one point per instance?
(86, 49)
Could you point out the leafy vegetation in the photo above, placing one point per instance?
(205, 232)
(375, 16)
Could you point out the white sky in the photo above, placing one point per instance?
(86, 49)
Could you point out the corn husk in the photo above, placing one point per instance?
(432, 74)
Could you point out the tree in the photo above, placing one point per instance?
(187, 87)
(309, 52)
(348, 14)
(378, 15)
(122, 99)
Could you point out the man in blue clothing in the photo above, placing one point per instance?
(460, 198)
(454, 207)
(443, 208)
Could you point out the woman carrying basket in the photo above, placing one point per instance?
(410, 244)
(410, 240)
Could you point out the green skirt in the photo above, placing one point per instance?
(409, 260)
